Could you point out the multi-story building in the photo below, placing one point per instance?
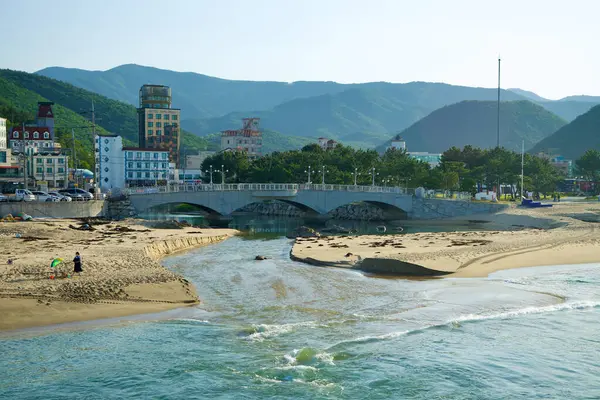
(195, 161)
(3, 133)
(51, 168)
(433, 159)
(247, 139)
(120, 167)
(397, 144)
(326, 143)
(158, 122)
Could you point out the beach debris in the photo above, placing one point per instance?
(381, 229)
(260, 258)
(84, 227)
(348, 255)
(9, 261)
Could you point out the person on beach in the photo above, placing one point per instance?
(77, 262)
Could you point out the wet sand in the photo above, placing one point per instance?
(563, 234)
(121, 270)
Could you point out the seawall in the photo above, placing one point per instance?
(443, 208)
(62, 209)
(161, 248)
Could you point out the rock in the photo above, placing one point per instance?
(304, 232)
(260, 258)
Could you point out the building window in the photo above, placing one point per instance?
(49, 170)
(39, 161)
(149, 131)
(156, 156)
(150, 116)
(49, 161)
(39, 170)
(26, 135)
(15, 135)
(36, 135)
(151, 124)
(139, 175)
(147, 156)
(130, 165)
(106, 149)
(167, 116)
(174, 117)
(147, 174)
(47, 136)
(164, 156)
(61, 160)
(158, 116)
(147, 165)
(139, 165)
(138, 155)
(164, 165)
(129, 155)
(61, 170)
(158, 124)
(106, 169)
(130, 174)
(155, 165)
(158, 132)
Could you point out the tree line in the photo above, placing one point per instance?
(467, 169)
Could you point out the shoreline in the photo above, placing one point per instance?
(563, 234)
(121, 263)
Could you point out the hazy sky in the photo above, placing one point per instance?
(547, 46)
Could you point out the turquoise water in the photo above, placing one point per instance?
(280, 329)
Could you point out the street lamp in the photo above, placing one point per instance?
(308, 172)
(386, 181)
(209, 171)
(373, 174)
(323, 171)
(356, 173)
(223, 171)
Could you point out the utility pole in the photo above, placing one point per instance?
(24, 156)
(74, 156)
(373, 175)
(522, 164)
(498, 121)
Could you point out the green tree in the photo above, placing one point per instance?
(588, 165)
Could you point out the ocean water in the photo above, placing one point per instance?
(279, 329)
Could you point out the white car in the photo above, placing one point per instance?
(3, 198)
(60, 196)
(43, 196)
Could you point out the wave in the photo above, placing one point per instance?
(576, 305)
(261, 332)
(456, 322)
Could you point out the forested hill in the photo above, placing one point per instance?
(474, 123)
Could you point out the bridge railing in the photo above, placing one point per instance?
(273, 187)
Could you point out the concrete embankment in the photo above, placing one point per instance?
(162, 248)
(62, 209)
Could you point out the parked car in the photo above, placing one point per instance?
(21, 195)
(3, 198)
(77, 194)
(61, 197)
(44, 196)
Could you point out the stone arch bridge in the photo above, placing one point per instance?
(224, 199)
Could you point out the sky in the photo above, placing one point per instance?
(546, 46)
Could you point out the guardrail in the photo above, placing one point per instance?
(263, 187)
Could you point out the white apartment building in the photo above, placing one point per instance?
(51, 168)
(110, 168)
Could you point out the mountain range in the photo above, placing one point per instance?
(366, 113)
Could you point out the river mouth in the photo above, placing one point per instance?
(278, 328)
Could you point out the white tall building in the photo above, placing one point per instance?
(110, 168)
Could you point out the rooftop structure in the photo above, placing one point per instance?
(247, 139)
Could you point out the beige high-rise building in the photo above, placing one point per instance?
(159, 123)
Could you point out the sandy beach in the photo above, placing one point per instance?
(563, 234)
(122, 274)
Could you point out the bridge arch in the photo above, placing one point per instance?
(254, 205)
(164, 207)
